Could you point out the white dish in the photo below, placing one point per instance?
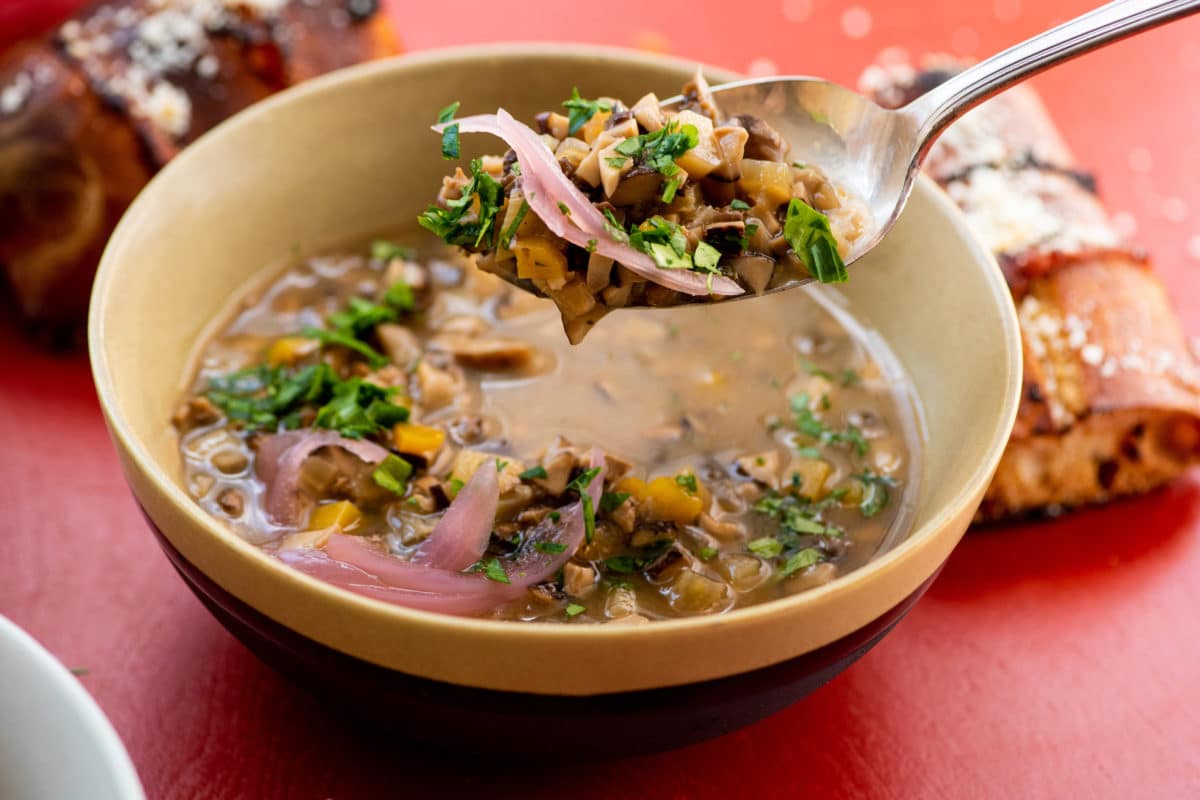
(55, 742)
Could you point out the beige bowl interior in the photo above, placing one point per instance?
(353, 152)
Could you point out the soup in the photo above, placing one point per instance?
(410, 428)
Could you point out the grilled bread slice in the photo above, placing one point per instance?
(1111, 402)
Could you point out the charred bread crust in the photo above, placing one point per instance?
(88, 114)
(1111, 395)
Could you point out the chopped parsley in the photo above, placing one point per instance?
(669, 190)
(359, 408)
(739, 205)
(450, 147)
(340, 338)
(707, 553)
(574, 610)
(400, 296)
(809, 452)
(492, 569)
(554, 516)
(580, 110)
(808, 424)
(453, 225)
(807, 232)
(591, 245)
(268, 398)
(580, 483)
(564, 209)
(688, 481)
(500, 465)
(639, 560)
(456, 485)
(875, 491)
(614, 227)
(511, 231)
(550, 548)
(616, 162)
(383, 250)
(766, 546)
(801, 560)
(533, 472)
(393, 474)
(850, 377)
(813, 369)
(797, 516)
(611, 501)
(659, 149)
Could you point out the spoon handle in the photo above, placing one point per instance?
(933, 111)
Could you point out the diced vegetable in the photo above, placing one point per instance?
(342, 515)
(540, 259)
(771, 181)
(290, 349)
(418, 440)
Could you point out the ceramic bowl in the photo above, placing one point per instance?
(54, 740)
(352, 153)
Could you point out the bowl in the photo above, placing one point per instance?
(352, 153)
(54, 740)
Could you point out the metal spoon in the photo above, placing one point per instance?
(875, 153)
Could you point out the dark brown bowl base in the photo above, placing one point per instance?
(502, 723)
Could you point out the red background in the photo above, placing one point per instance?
(1050, 660)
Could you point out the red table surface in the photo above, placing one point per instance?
(1055, 659)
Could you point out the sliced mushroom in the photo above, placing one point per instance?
(648, 113)
(731, 147)
(599, 271)
(399, 343)
(755, 270)
(641, 184)
(493, 352)
(763, 467)
(578, 580)
(763, 142)
(436, 386)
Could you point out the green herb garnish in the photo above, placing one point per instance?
(383, 250)
(574, 610)
(707, 553)
(393, 474)
(875, 491)
(564, 209)
(456, 485)
(808, 424)
(550, 548)
(807, 232)
(533, 472)
(448, 224)
(580, 483)
(511, 231)
(801, 560)
(492, 569)
(659, 149)
(611, 501)
(359, 408)
(554, 516)
(639, 560)
(688, 481)
(580, 110)
(669, 190)
(450, 147)
(739, 205)
(767, 547)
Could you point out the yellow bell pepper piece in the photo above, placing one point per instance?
(634, 487)
(342, 515)
(537, 258)
(594, 126)
(418, 440)
(808, 476)
(290, 349)
(667, 500)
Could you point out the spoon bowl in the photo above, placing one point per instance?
(875, 153)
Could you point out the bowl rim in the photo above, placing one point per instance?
(921, 538)
(27, 654)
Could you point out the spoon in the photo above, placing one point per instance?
(876, 153)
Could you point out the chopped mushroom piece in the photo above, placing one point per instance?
(763, 467)
(487, 352)
(578, 580)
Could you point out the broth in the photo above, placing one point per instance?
(787, 427)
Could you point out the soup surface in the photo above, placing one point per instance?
(412, 429)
